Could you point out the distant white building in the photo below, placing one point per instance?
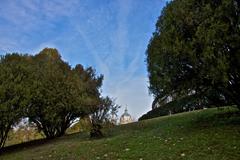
(126, 118)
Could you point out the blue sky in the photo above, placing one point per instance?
(110, 35)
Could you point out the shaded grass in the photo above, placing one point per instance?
(206, 134)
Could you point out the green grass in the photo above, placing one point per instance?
(212, 134)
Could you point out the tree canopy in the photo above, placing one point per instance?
(48, 91)
(196, 50)
(14, 95)
(59, 93)
(103, 114)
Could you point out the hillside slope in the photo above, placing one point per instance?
(207, 134)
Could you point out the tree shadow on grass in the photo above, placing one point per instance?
(220, 118)
(25, 145)
(38, 142)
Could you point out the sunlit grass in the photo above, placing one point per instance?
(206, 134)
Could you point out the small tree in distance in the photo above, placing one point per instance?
(103, 116)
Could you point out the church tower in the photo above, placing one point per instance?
(126, 117)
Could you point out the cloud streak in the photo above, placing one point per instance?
(110, 35)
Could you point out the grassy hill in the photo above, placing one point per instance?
(212, 134)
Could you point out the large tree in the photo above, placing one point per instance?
(196, 50)
(14, 94)
(59, 93)
(46, 90)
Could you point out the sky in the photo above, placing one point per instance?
(110, 35)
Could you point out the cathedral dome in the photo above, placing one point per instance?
(126, 117)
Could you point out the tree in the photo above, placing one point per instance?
(47, 91)
(103, 114)
(13, 92)
(60, 94)
(195, 49)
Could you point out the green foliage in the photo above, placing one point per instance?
(103, 115)
(13, 92)
(46, 90)
(60, 94)
(196, 48)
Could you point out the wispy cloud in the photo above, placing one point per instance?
(99, 61)
(120, 40)
(110, 35)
